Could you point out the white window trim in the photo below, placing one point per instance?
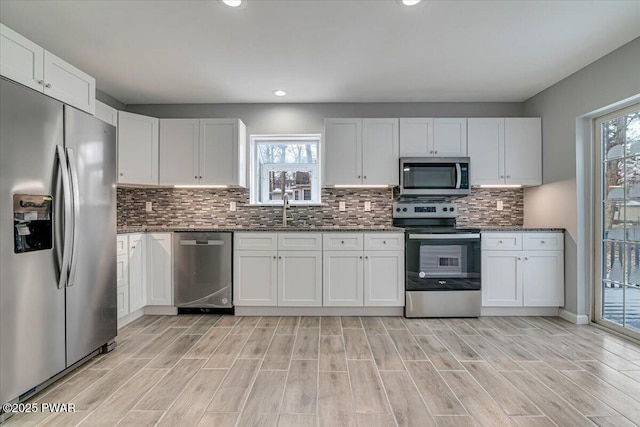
(289, 138)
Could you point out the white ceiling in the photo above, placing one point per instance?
(325, 50)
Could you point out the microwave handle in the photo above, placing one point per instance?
(458, 175)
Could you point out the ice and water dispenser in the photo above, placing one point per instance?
(32, 223)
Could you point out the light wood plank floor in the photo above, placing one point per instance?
(222, 371)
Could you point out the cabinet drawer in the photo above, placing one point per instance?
(299, 241)
(256, 241)
(543, 241)
(122, 242)
(342, 241)
(383, 241)
(502, 241)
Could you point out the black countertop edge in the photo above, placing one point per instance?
(521, 229)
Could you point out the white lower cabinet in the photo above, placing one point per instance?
(137, 270)
(343, 278)
(529, 275)
(292, 269)
(255, 281)
(159, 275)
(144, 271)
(300, 278)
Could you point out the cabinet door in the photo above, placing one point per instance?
(543, 279)
(179, 145)
(106, 113)
(486, 150)
(523, 150)
(137, 149)
(122, 300)
(137, 272)
(21, 60)
(380, 151)
(416, 137)
(300, 278)
(343, 151)
(222, 152)
(159, 269)
(450, 137)
(501, 279)
(122, 270)
(384, 278)
(255, 281)
(70, 85)
(342, 278)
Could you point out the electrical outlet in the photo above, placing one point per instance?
(149, 207)
(367, 206)
(342, 206)
(232, 206)
(499, 205)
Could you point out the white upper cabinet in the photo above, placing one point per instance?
(27, 63)
(106, 113)
(203, 152)
(523, 150)
(21, 60)
(428, 137)
(137, 149)
(223, 152)
(380, 151)
(343, 151)
(179, 151)
(361, 151)
(505, 151)
(450, 137)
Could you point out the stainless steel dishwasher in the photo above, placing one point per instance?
(202, 272)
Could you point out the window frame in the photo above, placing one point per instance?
(315, 168)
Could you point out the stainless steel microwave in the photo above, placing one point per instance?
(434, 176)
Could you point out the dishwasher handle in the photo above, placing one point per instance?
(201, 242)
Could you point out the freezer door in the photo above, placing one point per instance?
(91, 290)
(32, 336)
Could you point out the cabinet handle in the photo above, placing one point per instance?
(40, 82)
(133, 247)
(48, 85)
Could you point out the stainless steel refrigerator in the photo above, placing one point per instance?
(57, 238)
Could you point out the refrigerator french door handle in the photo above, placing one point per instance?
(76, 214)
(67, 236)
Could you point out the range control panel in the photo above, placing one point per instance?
(424, 210)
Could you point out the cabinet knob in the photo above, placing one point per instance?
(508, 176)
(360, 257)
(501, 176)
(542, 242)
(519, 259)
(526, 259)
(365, 177)
(384, 242)
(435, 152)
(342, 242)
(196, 177)
(200, 177)
(274, 257)
(40, 82)
(431, 152)
(500, 242)
(358, 176)
(133, 247)
(48, 85)
(366, 257)
(121, 174)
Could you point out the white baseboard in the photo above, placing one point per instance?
(161, 310)
(319, 311)
(578, 319)
(519, 311)
(125, 320)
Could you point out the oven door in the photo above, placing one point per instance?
(434, 176)
(443, 262)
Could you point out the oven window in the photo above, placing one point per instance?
(425, 175)
(443, 264)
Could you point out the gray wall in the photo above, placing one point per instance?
(109, 100)
(309, 118)
(563, 107)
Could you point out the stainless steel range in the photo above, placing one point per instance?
(442, 267)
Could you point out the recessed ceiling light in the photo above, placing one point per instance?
(279, 92)
(409, 2)
(234, 3)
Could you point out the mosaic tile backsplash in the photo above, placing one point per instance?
(197, 207)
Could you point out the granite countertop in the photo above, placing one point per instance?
(153, 229)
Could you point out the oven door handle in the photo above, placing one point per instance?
(444, 236)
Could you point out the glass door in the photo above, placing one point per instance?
(618, 260)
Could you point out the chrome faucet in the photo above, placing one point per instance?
(285, 205)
